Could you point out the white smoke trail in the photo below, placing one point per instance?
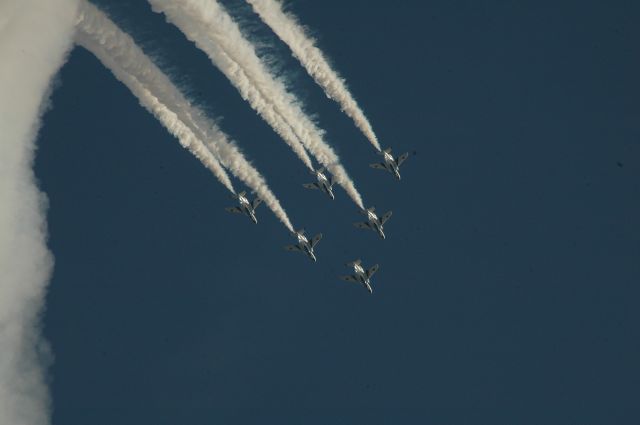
(99, 35)
(119, 53)
(208, 25)
(303, 47)
(247, 90)
(34, 39)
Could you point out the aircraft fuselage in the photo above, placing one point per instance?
(303, 243)
(392, 165)
(324, 184)
(374, 222)
(361, 274)
(247, 208)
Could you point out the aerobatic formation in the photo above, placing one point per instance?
(209, 26)
(35, 39)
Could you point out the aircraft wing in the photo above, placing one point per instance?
(361, 225)
(316, 239)
(385, 217)
(234, 210)
(402, 158)
(292, 248)
(372, 271)
(349, 278)
(378, 166)
(311, 186)
(256, 202)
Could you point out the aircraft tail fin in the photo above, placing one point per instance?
(366, 210)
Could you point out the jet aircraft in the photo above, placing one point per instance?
(361, 275)
(304, 245)
(324, 184)
(374, 223)
(390, 163)
(245, 206)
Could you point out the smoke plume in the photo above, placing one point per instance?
(34, 39)
(312, 59)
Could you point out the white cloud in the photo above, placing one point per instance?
(35, 36)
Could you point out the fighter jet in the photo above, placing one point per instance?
(324, 184)
(245, 207)
(390, 163)
(374, 223)
(361, 276)
(304, 245)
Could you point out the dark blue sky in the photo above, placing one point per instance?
(508, 285)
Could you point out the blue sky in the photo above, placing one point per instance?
(507, 289)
